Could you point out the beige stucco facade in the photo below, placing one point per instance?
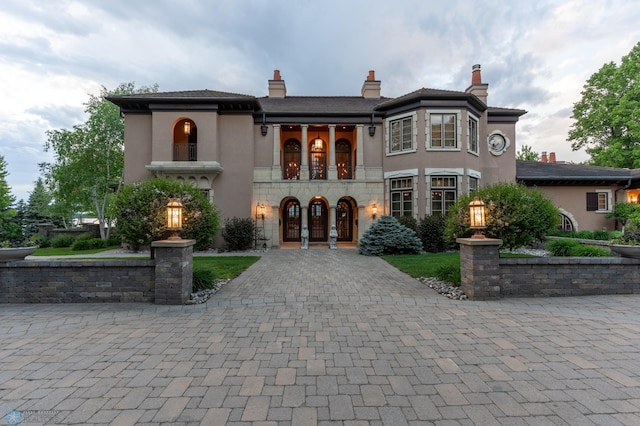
(293, 162)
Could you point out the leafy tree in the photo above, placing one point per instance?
(607, 118)
(388, 236)
(89, 159)
(527, 153)
(140, 212)
(9, 227)
(515, 214)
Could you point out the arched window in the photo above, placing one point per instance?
(565, 223)
(318, 159)
(318, 221)
(343, 159)
(291, 160)
(291, 221)
(185, 138)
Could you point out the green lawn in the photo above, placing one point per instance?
(224, 266)
(426, 264)
(66, 251)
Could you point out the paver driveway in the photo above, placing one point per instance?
(324, 337)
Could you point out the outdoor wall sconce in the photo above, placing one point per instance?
(260, 210)
(477, 217)
(263, 128)
(187, 128)
(174, 218)
(372, 128)
(374, 211)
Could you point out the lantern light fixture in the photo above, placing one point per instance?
(374, 211)
(477, 216)
(187, 128)
(260, 209)
(174, 218)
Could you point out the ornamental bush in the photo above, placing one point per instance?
(141, 213)
(388, 236)
(515, 214)
(238, 233)
(431, 232)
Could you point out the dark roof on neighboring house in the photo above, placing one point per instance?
(558, 174)
(191, 99)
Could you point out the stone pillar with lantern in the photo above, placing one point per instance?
(479, 258)
(173, 261)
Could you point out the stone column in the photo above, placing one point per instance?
(480, 267)
(304, 160)
(333, 170)
(276, 171)
(174, 271)
(359, 172)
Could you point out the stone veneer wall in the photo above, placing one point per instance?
(568, 276)
(43, 281)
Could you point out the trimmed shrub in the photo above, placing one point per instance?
(387, 236)
(601, 235)
(408, 221)
(238, 233)
(39, 240)
(62, 241)
(88, 244)
(431, 232)
(517, 215)
(203, 279)
(141, 214)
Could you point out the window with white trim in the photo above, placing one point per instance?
(443, 131)
(401, 197)
(472, 136)
(473, 183)
(599, 201)
(401, 134)
(444, 190)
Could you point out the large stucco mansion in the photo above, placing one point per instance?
(322, 161)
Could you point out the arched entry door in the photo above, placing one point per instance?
(291, 221)
(318, 221)
(344, 220)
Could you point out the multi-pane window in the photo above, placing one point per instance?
(402, 197)
(291, 160)
(473, 184)
(343, 159)
(443, 131)
(400, 135)
(472, 137)
(318, 160)
(599, 201)
(443, 194)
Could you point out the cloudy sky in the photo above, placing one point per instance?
(534, 55)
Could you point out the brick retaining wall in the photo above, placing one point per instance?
(62, 281)
(569, 276)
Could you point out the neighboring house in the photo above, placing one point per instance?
(584, 194)
(322, 161)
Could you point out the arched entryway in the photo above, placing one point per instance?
(318, 221)
(185, 139)
(291, 220)
(345, 219)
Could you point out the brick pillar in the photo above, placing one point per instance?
(174, 271)
(480, 267)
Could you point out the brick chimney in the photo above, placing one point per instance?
(544, 158)
(477, 87)
(371, 86)
(552, 157)
(277, 88)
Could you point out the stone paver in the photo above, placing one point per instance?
(324, 337)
